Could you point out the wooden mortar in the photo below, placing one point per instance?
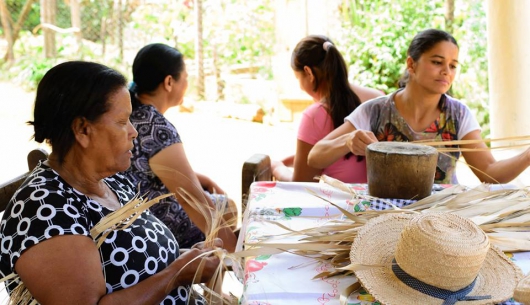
(400, 169)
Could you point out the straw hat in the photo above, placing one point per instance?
(522, 291)
(445, 250)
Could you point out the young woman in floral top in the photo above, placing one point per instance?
(421, 110)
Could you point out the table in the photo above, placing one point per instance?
(287, 278)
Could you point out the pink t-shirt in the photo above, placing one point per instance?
(315, 124)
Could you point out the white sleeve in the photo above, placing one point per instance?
(360, 118)
(468, 123)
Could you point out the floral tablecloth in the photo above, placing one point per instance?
(287, 278)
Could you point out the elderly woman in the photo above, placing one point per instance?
(82, 110)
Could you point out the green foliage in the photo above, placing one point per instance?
(33, 18)
(29, 72)
(374, 38)
(376, 49)
(170, 23)
(242, 32)
(471, 85)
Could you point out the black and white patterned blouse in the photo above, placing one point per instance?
(46, 206)
(155, 133)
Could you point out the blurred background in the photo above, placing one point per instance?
(243, 97)
(238, 51)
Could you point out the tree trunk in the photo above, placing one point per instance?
(199, 57)
(120, 27)
(6, 25)
(219, 81)
(112, 22)
(400, 170)
(21, 18)
(48, 9)
(75, 11)
(103, 35)
(449, 15)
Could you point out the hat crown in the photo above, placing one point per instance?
(443, 250)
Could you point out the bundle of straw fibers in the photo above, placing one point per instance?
(522, 291)
(400, 169)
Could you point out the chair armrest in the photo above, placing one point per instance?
(8, 189)
(35, 156)
(255, 168)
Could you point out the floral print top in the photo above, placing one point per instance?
(381, 116)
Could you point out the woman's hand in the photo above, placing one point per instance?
(288, 161)
(209, 185)
(358, 140)
(197, 264)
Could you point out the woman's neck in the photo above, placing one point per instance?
(418, 99)
(156, 100)
(80, 175)
(418, 108)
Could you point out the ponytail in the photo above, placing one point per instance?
(133, 89)
(328, 66)
(340, 97)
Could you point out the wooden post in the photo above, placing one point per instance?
(199, 56)
(120, 28)
(47, 16)
(75, 11)
(400, 169)
(449, 15)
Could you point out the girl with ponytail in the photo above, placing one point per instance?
(322, 73)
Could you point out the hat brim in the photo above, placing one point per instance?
(376, 243)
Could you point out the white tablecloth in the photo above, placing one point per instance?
(287, 278)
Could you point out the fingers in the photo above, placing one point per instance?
(359, 140)
(198, 266)
(218, 190)
(217, 243)
(198, 245)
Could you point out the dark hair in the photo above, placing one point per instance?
(70, 90)
(153, 63)
(328, 67)
(423, 42)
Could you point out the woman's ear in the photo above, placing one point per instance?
(411, 65)
(309, 73)
(81, 129)
(168, 83)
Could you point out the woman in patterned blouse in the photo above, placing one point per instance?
(159, 163)
(82, 110)
(421, 111)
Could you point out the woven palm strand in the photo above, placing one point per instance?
(522, 291)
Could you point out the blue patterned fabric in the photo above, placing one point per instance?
(155, 133)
